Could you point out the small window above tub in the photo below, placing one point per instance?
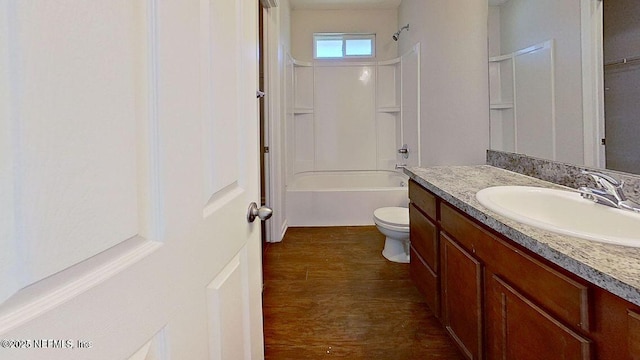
(343, 46)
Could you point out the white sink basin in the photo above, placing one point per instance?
(563, 212)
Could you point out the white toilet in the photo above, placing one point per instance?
(393, 222)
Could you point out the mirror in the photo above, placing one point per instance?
(540, 103)
(621, 34)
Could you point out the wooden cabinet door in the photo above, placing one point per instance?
(426, 281)
(518, 329)
(424, 237)
(424, 258)
(633, 327)
(461, 286)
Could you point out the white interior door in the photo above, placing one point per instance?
(128, 157)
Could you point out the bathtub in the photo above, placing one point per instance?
(343, 198)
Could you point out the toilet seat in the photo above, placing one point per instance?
(396, 218)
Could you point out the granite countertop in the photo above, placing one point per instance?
(611, 267)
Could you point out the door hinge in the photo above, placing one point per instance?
(603, 141)
(266, 150)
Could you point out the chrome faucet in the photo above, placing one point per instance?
(608, 192)
(401, 166)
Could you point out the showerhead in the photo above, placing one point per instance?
(396, 36)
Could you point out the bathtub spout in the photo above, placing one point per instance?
(401, 166)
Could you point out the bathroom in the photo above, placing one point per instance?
(453, 123)
(130, 178)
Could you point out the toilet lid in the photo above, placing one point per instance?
(395, 216)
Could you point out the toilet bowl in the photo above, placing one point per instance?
(393, 222)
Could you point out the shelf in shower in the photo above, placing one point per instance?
(501, 106)
(389, 109)
(302, 111)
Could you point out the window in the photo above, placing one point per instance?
(341, 46)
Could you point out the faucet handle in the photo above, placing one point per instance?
(600, 178)
(610, 190)
(608, 184)
(404, 150)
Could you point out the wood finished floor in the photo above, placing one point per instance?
(329, 292)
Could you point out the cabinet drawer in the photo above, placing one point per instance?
(426, 281)
(424, 237)
(560, 295)
(467, 233)
(423, 199)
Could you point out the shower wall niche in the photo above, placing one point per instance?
(349, 116)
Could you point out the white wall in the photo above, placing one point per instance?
(527, 22)
(345, 129)
(454, 104)
(382, 22)
(494, 31)
(284, 9)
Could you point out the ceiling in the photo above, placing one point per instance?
(344, 4)
(357, 4)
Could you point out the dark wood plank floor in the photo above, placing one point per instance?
(328, 292)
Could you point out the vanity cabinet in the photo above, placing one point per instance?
(526, 302)
(498, 300)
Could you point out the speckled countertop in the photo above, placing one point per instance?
(611, 267)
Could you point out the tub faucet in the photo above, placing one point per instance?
(401, 166)
(608, 192)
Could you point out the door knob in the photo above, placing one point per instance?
(264, 212)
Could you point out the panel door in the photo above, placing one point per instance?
(519, 329)
(128, 157)
(461, 289)
(633, 327)
(424, 267)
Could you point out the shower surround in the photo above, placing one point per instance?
(350, 118)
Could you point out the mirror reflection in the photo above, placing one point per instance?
(537, 66)
(622, 84)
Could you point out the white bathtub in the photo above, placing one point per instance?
(343, 198)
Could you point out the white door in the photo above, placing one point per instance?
(128, 158)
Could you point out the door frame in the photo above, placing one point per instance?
(274, 121)
(593, 83)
